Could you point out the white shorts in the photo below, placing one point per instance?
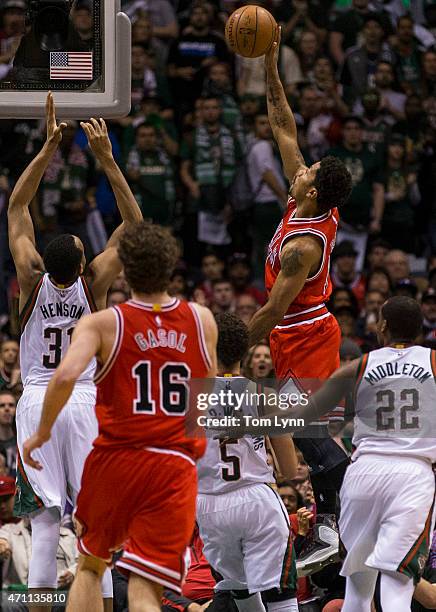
(246, 539)
(387, 514)
(62, 457)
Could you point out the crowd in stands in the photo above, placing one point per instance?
(198, 152)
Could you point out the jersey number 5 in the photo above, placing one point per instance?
(234, 473)
(173, 390)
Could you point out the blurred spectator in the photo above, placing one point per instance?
(298, 16)
(12, 28)
(407, 55)
(379, 280)
(151, 173)
(377, 252)
(290, 497)
(360, 62)
(239, 274)
(116, 297)
(397, 265)
(376, 124)
(401, 195)
(343, 296)
(364, 209)
(258, 363)
(348, 351)
(7, 493)
(323, 77)
(223, 296)
(392, 101)
(269, 188)
(428, 306)
(207, 170)
(142, 33)
(212, 268)
(347, 26)
(83, 22)
(308, 51)
(143, 77)
(252, 78)
(161, 14)
(178, 286)
(9, 364)
(219, 83)
(190, 56)
(313, 122)
(406, 287)
(8, 437)
(348, 323)
(246, 306)
(428, 78)
(366, 327)
(344, 272)
(16, 549)
(67, 188)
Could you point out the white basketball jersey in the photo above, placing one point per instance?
(231, 464)
(49, 318)
(395, 403)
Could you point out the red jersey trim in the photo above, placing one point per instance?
(146, 572)
(315, 233)
(152, 307)
(159, 568)
(201, 339)
(317, 219)
(306, 321)
(301, 312)
(101, 374)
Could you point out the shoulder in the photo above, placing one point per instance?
(205, 315)
(305, 245)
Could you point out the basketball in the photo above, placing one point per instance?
(250, 31)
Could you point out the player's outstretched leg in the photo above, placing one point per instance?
(85, 594)
(359, 591)
(396, 592)
(144, 595)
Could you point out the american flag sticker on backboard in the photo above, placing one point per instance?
(71, 65)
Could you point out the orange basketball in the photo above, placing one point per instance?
(250, 31)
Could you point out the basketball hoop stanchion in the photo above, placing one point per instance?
(87, 78)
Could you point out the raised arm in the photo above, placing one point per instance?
(86, 342)
(297, 260)
(27, 260)
(280, 115)
(104, 269)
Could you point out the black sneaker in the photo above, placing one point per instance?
(322, 549)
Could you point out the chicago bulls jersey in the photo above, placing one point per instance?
(317, 289)
(143, 388)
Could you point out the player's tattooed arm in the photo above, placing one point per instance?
(280, 115)
(299, 258)
(28, 262)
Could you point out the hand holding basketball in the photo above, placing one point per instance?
(272, 55)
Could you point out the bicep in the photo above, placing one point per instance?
(292, 158)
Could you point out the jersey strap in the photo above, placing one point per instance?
(31, 301)
(104, 370)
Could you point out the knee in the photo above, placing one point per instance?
(91, 564)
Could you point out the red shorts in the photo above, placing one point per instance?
(143, 501)
(307, 351)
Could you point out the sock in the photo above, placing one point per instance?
(250, 604)
(359, 591)
(396, 591)
(288, 605)
(45, 541)
(106, 585)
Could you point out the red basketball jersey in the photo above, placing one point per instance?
(309, 303)
(143, 388)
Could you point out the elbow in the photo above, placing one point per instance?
(65, 378)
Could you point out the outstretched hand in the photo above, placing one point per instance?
(54, 131)
(98, 138)
(272, 55)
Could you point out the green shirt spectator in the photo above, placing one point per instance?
(152, 176)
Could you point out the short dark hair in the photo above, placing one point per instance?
(149, 255)
(232, 339)
(333, 183)
(62, 258)
(403, 317)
